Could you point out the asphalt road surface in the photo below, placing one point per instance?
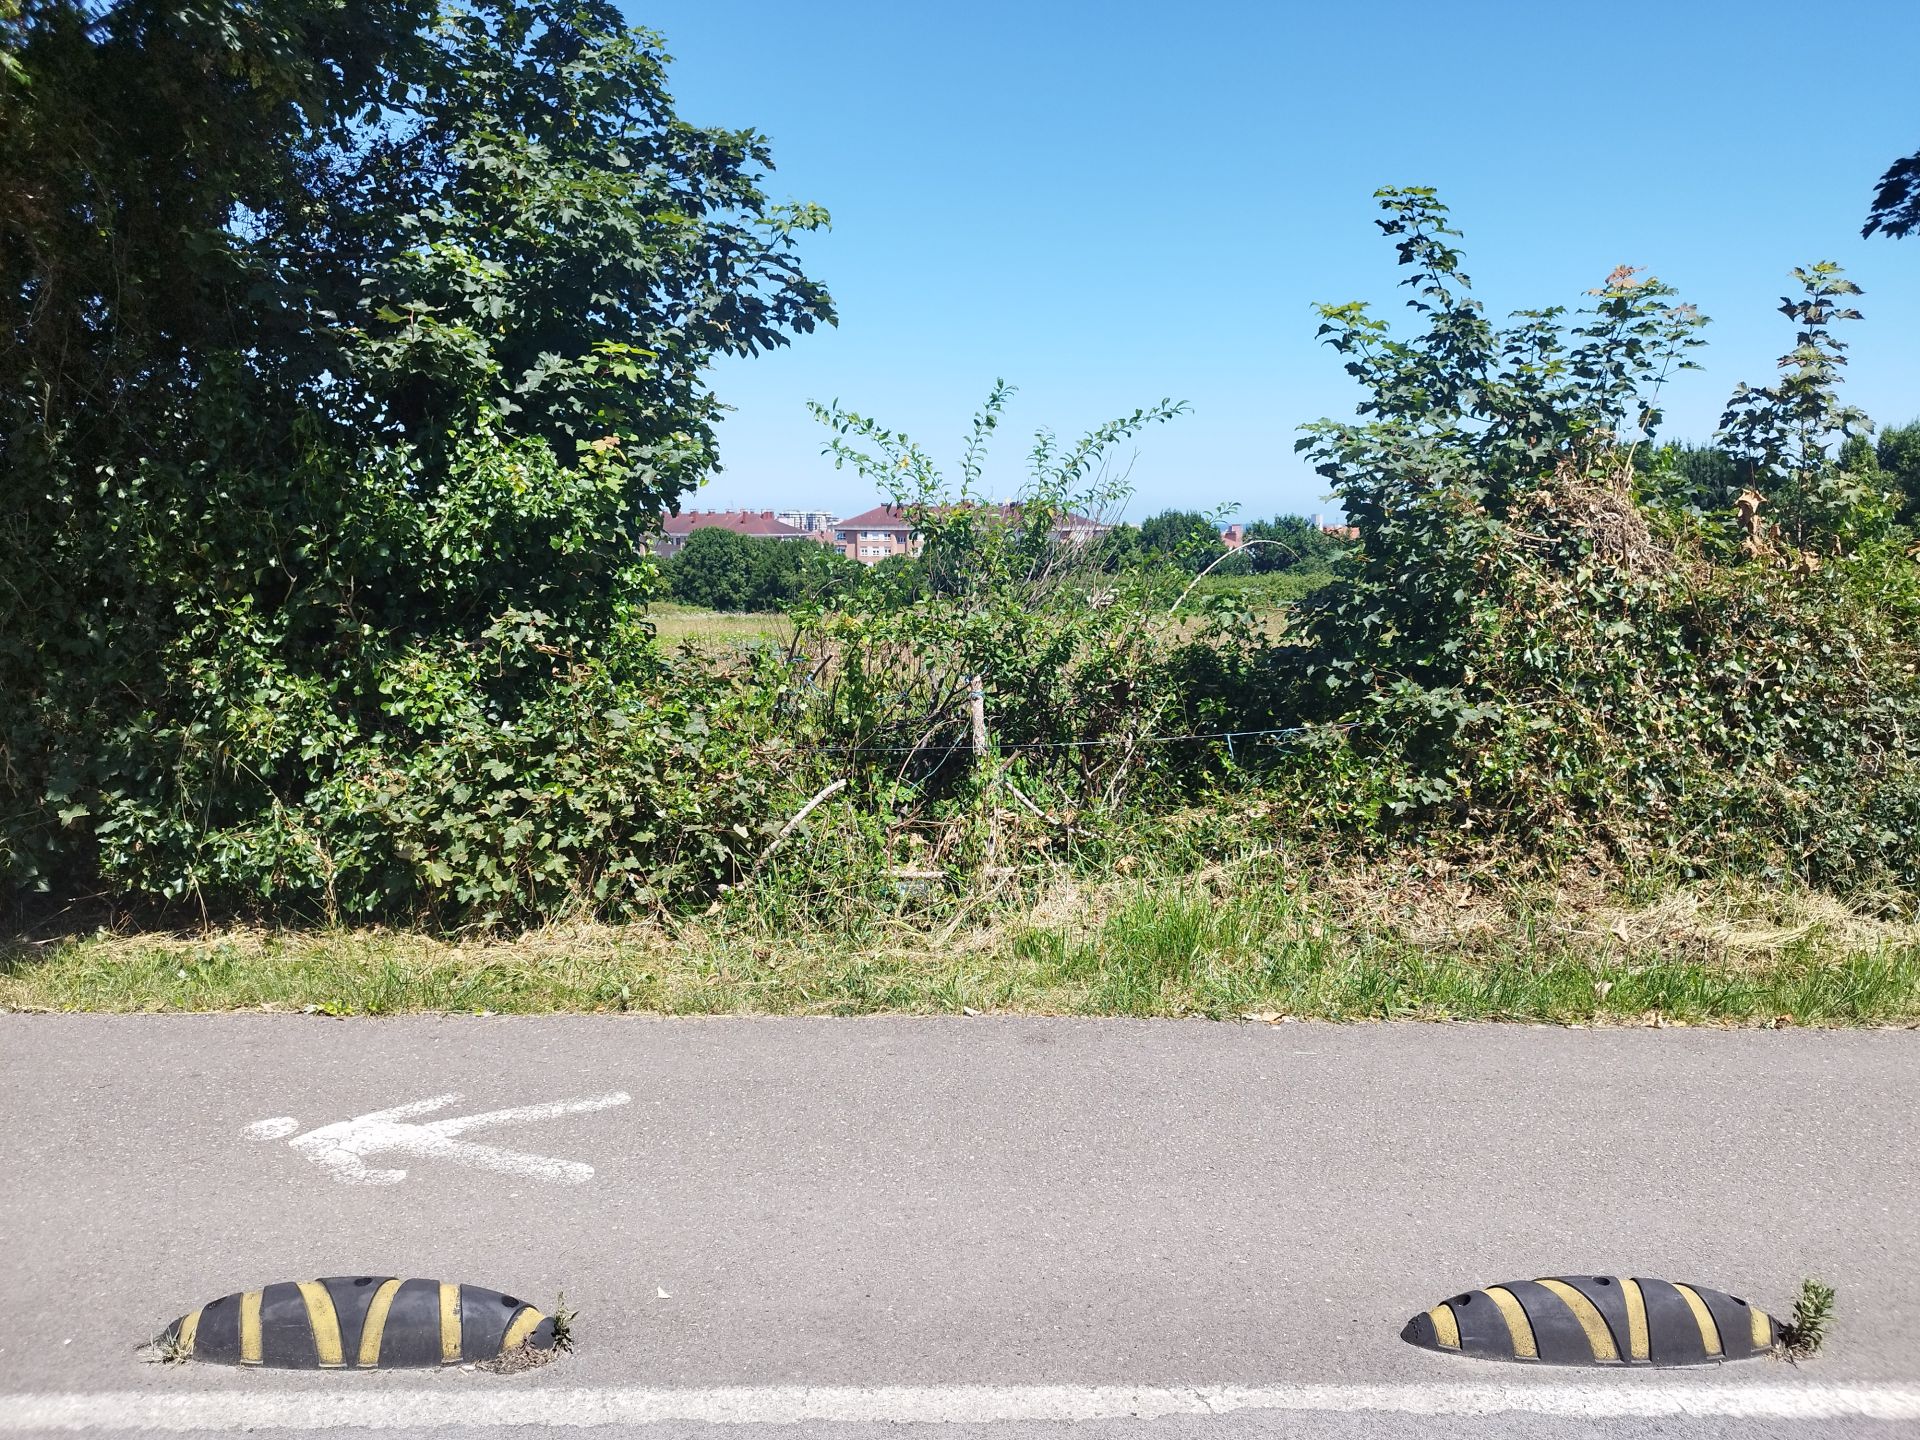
(1017, 1228)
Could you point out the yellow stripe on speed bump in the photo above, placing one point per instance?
(528, 1320)
(1703, 1317)
(1636, 1319)
(449, 1323)
(250, 1328)
(1599, 1338)
(1762, 1329)
(376, 1324)
(325, 1324)
(1518, 1325)
(189, 1332)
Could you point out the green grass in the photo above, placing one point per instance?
(1222, 946)
(1276, 587)
(677, 624)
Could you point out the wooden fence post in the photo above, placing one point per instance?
(977, 708)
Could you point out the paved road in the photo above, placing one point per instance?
(1022, 1227)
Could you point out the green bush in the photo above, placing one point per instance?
(1533, 641)
(1087, 672)
(614, 786)
(352, 355)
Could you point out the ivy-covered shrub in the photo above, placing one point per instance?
(1535, 641)
(613, 785)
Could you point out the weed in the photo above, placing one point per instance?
(563, 1322)
(1803, 1335)
(168, 1347)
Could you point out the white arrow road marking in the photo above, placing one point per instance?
(418, 1409)
(341, 1147)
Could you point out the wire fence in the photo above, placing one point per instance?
(1110, 741)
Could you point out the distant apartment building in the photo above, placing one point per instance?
(1339, 532)
(761, 524)
(873, 535)
(1234, 537)
(817, 523)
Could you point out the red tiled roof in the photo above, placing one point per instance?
(741, 522)
(881, 517)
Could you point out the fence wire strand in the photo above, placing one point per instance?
(1115, 741)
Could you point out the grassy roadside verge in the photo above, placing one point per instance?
(1225, 943)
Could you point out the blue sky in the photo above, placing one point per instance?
(1111, 203)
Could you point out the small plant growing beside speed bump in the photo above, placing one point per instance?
(1803, 1335)
(168, 1347)
(528, 1356)
(563, 1319)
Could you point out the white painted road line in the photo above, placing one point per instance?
(443, 1407)
(341, 1147)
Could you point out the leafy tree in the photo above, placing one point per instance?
(1184, 538)
(1897, 455)
(722, 570)
(1786, 433)
(1896, 203)
(1696, 477)
(352, 351)
(1460, 430)
(713, 569)
(1118, 549)
(1294, 542)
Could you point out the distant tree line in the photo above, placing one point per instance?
(1710, 477)
(717, 569)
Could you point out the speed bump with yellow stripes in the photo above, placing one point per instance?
(1596, 1320)
(363, 1322)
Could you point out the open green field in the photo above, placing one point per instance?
(1281, 587)
(675, 624)
(682, 624)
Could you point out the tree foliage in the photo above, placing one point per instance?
(1534, 641)
(1787, 435)
(1184, 538)
(721, 570)
(1290, 542)
(351, 353)
(1896, 454)
(1080, 664)
(1896, 201)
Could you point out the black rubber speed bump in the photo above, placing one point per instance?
(1596, 1320)
(362, 1321)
